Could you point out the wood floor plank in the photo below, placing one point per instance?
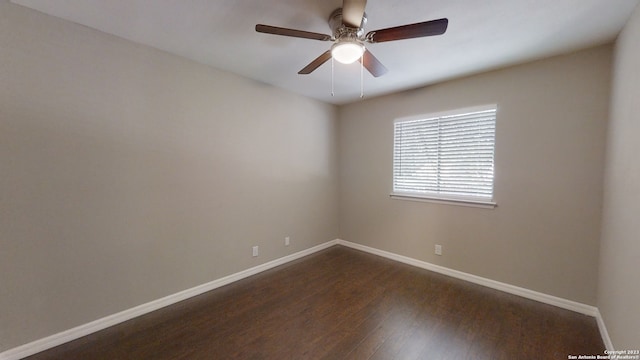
(344, 304)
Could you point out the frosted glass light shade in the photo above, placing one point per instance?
(347, 52)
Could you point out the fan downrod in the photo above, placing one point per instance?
(339, 30)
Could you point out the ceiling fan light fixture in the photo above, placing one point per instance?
(347, 52)
(347, 32)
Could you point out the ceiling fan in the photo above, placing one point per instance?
(347, 26)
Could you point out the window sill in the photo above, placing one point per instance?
(445, 201)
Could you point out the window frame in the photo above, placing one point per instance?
(446, 199)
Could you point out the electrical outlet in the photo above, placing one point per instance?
(255, 251)
(438, 250)
(287, 241)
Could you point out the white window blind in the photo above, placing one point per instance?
(445, 156)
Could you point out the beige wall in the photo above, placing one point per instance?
(550, 136)
(619, 283)
(128, 174)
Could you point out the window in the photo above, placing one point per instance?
(446, 157)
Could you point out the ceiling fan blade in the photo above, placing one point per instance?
(268, 29)
(372, 64)
(427, 28)
(316, 63)
(352, 12)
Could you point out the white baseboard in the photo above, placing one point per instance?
(511, 289)
(100, 324)
(603, 332)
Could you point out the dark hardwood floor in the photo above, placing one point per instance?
(344, 304)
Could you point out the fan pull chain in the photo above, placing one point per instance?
(362, 75)
(332, 94)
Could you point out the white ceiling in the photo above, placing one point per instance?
(482, 35)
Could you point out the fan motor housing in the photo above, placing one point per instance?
(340, 30)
